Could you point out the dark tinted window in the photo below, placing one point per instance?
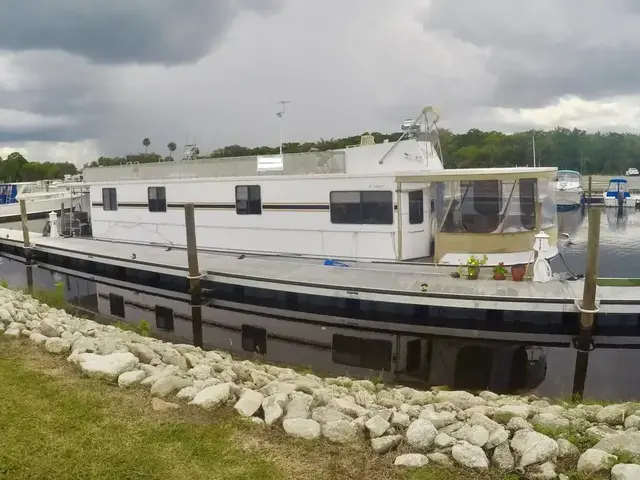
(481, 205)
(528, 195)
(416, 207)
(414, 353)
(109, 199)
(157, 199)
(254, 339)
(363, 208)
(248, 200)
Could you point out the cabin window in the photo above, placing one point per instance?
(248, 200)
(254, 339)
(157, 197)
(116, 305)
(414, 355)
(363, 208)
(109, 199)
(416, 207)
(528, 195)
(164, 318)
(367, 353)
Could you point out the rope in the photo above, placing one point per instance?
(576, 302)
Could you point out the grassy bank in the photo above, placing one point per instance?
(56, 424)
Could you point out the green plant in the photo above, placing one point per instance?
(4, 283)
(499, 269)
(472, 266)
(143, 328)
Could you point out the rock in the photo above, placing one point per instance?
(213, 396)
(632, 421)
(550, 420)
(386, 443)
(166, 385)
(298, 406)
(144, 353)
(460, 399)
(594, 461)
(440, 458)
(348, 406)
(161, 406)
(324, 415)
(470, 456)
(109, 366)
(249, 403)
(497, 437)
(38, 338)
(133, 377)
(443, 440)
(173, 357)
(257, 421)
(57, 345)
(48, 329)
(532, 447)
(544, 471)
(627, 443)
(566, 449)
(421, 434)
(377, 426)
(12, 333)
(518, 423)
(438, 419)
(399, 419)
(411, 460)
(523, 411)
(306, 385)
(625, 471)
(502, 458)
(340, 431)
(302, 428)
(489, 396)
(611, 415)
(477, 435)
(601, 431)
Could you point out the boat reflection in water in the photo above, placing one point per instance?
(471, 364)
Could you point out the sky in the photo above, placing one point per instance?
(84, 78)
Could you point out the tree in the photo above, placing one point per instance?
(172, 148)
(146, 142)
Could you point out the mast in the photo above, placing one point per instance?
(533, 143)
(281, 116)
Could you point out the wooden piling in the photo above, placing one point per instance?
(587, 307)
(26, 243)
(590, 184)
(194, 274)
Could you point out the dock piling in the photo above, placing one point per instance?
(194, 274)
(590, 185)
(27, 244)
(588, 308)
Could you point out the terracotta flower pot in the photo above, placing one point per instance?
(498, 276)
(473, 273)
(517, 272)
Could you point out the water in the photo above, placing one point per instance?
(471, 364)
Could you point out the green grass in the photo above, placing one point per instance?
(578, 438)
(618, 282)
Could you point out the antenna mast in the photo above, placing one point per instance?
(281, 116)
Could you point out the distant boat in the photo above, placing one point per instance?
(618, 188)
(569, 191)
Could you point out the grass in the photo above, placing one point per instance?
(578, 438)
(618, 282)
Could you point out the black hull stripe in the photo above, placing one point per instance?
(320, 207)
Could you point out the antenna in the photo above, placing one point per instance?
(280, 114)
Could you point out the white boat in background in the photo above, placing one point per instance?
(569, 190)
(41, 198)
(618, 191)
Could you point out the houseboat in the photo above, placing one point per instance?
(568, 186)
(374, 202)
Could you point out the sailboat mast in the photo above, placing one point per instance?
(533, 143)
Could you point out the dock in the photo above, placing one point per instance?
(412, 284)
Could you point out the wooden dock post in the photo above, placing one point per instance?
(194, 274)
(587, 307)
(590, 184)
(27, 244)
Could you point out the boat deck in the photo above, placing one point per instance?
(386, 282)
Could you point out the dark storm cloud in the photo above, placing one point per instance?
(122, 31)
(540, 51)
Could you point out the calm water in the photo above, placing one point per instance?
(461, 363)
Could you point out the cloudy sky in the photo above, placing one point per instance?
(80, 78)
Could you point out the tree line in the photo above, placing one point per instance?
(16, 168)
(589, 153)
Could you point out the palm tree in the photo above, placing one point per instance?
(172, 148)
(146, 142)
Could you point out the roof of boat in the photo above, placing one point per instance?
(569, 171)
(618, 180)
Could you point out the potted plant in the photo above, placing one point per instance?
(473, 266)
(518, 271)
(499, 272)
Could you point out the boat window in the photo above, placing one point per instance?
(157, 199)
(416, 207)
(363, 208)
(248, 200)
(547, 196)
(254, 339)
(164, 318)
(361, 352)
(109, 199)
(528, 196)
(480, 205)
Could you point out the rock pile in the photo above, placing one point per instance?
(443, 427)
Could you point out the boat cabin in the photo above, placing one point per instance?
(617, 186)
